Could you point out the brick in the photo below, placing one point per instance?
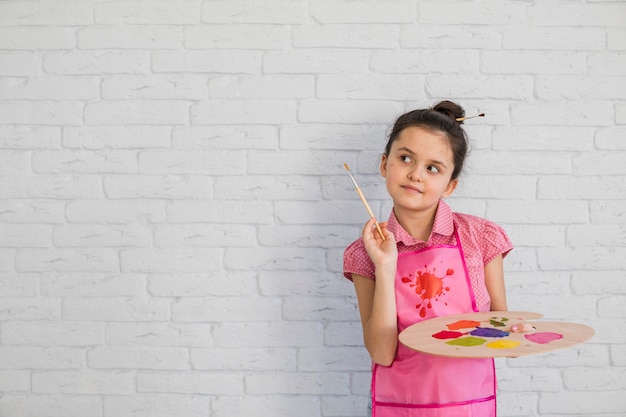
(153, 405)
(244, 359)
(44, 38)
(225, 137)
(116, 137)
(277, 334)
(588, 113)
(607, 64)
(555, 39)
(13, 284)
(219, 309)
(218, 283)
(159, 260)
(138, 358)
(147, 12)
(267, 405)
(333, 359)
(574, 188)
(15, 163)
(305, 283)
(303, 308)
(157, 186)
(581, 402)
(238, 36)
(611, 307)
(344, 111)
(273, 258)
(543, 138)
(215, 61)
(605, 283)
(51, 405)
(599, 163)
(84, 382)
(450, 37)
(519, 380)
(205, 162)
(50, 88)
(363, 12)
(93, 285)
(41, 112)
(302, 236)
(158, 334)
(131, 37)
(203, 235)
(29, 308)
(615, 39)
(503, 186)
(162, 87)
(272, 112)
(27, 357)
(19, 63)
(383, 87)
(582, 258)
(268, 12)
(97, 62)
(85, 236)
(236, 212)
(528, 212)
(517, 404)
(465, 13)
(47, 333)
(204, 383)
(318, 61)
(426, 62)
(30, 137)
(301, 383)
(25, 235)
(586, 379)
(610, 138)
(137, 112)
(67, 260)
(533, 62)
(596, 236)
(348, 333)
(518, 163)
(62, 13)
(578, 88)
(325, 136)
(493, 86)
(565, 14)
(607, 212)
(112, 211)
(90, 162)
(267, 188)
(262, 87)
(297, 162)
(115, 309)
(14, 382)
(346, 36)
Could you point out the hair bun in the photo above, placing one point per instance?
(449, 109)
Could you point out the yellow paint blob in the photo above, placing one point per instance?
(503, 344)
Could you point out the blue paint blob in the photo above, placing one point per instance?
(488, 332)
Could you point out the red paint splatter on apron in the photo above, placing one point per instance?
(428, 286)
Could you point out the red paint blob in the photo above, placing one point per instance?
(444, 334)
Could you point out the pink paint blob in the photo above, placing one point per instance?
(543, 337)
(444, 334)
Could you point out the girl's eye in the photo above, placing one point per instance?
(405, 158)
(433, 169)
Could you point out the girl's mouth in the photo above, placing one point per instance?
(411, 189)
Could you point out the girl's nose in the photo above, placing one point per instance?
(414, 175)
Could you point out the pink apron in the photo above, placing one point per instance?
(430, 283)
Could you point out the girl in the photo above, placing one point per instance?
(432, 262)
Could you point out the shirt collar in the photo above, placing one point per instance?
(443, 225)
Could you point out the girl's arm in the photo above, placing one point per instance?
(494, 280)
(377, 298)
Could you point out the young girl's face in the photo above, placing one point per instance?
(418, 170)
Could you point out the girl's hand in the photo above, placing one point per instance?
(383, 253)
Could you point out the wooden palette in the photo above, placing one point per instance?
(489, 335)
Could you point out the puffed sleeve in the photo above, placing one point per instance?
(357, 261)
(494, 241)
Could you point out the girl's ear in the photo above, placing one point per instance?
(450, 188)
(383, 165)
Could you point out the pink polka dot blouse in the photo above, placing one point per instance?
(482, 241)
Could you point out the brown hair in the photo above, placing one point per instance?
(441, 118)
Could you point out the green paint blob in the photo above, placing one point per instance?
(467, 341)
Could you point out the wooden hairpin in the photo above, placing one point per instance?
(461, 119)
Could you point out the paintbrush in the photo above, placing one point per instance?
(461, 119)
(367, 206)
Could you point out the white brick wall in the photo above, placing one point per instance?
(173, 207)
